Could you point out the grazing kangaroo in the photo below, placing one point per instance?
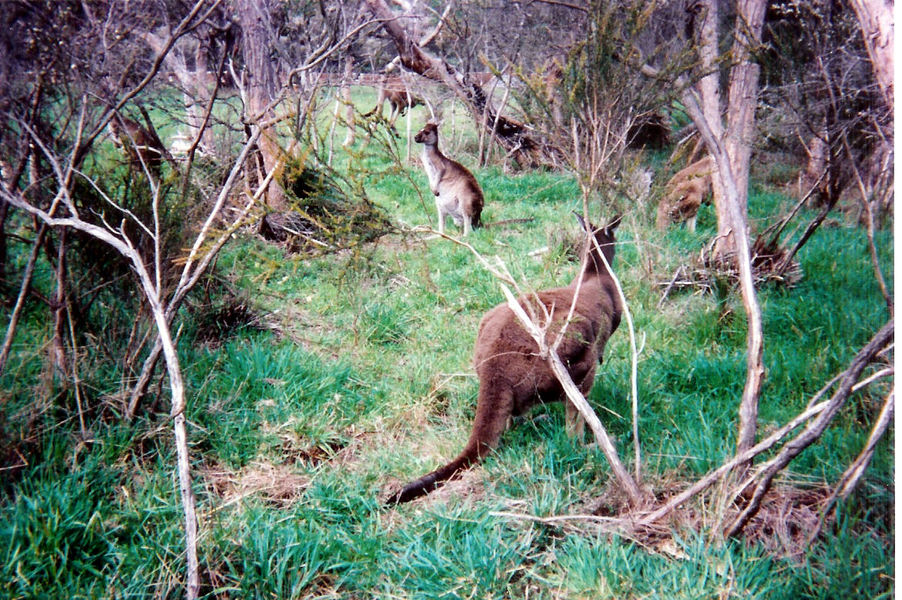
(395, 91)
(685, 193)
(140, 144)
(457, 193)
(513, 376)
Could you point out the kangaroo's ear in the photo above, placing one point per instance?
(611, 227)
(587, 227)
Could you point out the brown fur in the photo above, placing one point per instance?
(395, 91)
(457, 193)
(685, 193)
(138, 143)
(481, 78)
(512, 375)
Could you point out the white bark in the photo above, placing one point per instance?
(876, 20)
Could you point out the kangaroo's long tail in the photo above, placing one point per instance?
(493, 409)
(433, 480)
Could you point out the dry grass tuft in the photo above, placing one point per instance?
(275, 484)
(788, 517)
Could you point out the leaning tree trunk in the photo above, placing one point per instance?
(740, 131)
(513, 136)
(731, 149)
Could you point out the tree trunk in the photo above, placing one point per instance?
(707, 20)
(58, 354)
(514, 136)
(815, 173)
(740, 132)
(876, 20)
(731, 149)
(257, 31)
(345, 94)
(197, 84)
(742, 101)
(743, 94)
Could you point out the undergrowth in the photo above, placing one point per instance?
(343, 374)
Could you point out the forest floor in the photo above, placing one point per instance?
(318, 382)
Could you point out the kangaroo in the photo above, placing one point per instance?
(512, 375)
(395, 91)
(457, 193)
(140, 145)
(686, 192)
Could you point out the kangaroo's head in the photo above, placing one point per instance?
(428, 135)
(603, 239)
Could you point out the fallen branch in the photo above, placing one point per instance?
(814, 408)
(813, 431)
(853, 474)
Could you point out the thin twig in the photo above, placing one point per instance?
(634, 361)
(872, 248)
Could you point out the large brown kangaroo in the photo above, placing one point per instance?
(512, 375)
(457, 193)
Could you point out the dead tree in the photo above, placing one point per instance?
(514, 136)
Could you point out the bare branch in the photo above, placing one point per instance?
(634, 362)
(853, 474)
(814, 430)
(748, 409)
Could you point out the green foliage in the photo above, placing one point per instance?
(352, 371)
(329, 211)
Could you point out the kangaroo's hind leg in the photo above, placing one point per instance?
(574, 422)
(440, 208)
(467, 225)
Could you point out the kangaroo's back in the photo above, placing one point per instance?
(512, 374)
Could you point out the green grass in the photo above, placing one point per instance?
(362, 379)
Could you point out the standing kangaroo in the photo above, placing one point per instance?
(513, 376)
(457, 193)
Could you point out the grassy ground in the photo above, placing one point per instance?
(360, 379)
